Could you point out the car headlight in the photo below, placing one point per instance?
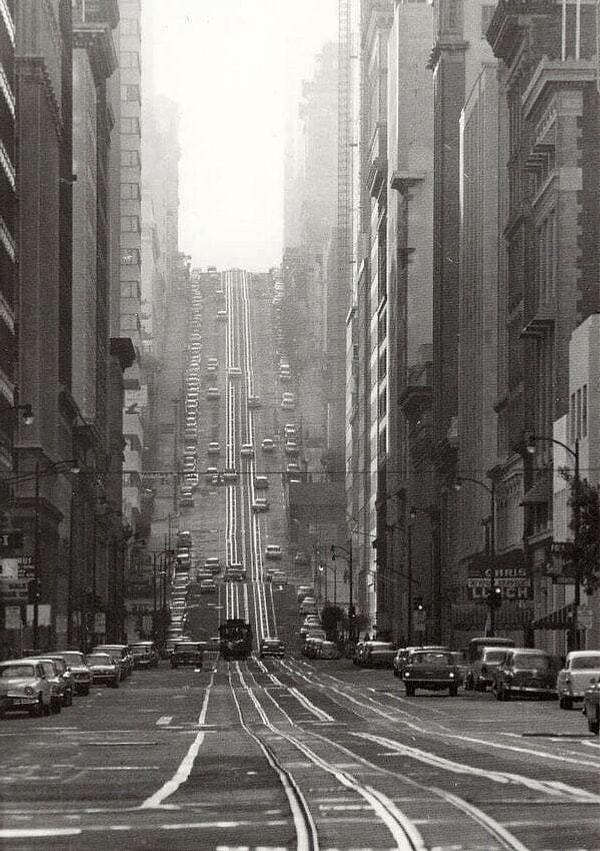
(407, 673)
(28, 690)
(451, 675)
(567, 679)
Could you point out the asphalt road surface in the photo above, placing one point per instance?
(293, 754)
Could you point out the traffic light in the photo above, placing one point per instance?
(495, 597)
(419, 605)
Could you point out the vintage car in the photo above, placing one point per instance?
(121, 654)
(64, 677)
(104, 669)
(145, 654)
(23, 685)
(591, 705)
(525, 672)
(574, 678)
(271, 647)
(432, 670)
(480, 675)
(80, 673)
(187, 653)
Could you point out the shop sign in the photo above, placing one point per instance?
(13, 590)
(514, 583)
(584, 617)
(100, 622)
(12, 617)
(44, 613)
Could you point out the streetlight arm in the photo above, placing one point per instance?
(573, 452)
(489, 489)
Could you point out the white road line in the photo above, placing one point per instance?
(306, 703)
(164, 720)
(503, 777)
(31, 832)
(185, 768)
(490, 824)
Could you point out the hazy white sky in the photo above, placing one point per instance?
(228, 64)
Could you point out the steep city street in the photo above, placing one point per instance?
(278, 753)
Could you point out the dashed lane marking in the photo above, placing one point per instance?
(164, 720)
(185, 768)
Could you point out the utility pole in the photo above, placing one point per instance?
(36, 560)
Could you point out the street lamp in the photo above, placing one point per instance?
(494, 596)
(346, 554)
(530, 447)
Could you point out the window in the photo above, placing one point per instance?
(572, 423)
(130, 159)
(130, 126)
(130, 224)
(382, 403)
(130, 289)
(131, 93)
(487, 13)
(129, 26)
(382, 366)
(382, 326)
(584, 411)
(131, 257)
(130, 59)
(130, 192)
(382, 442)
(578, 430)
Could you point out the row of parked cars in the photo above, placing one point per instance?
(45, 683)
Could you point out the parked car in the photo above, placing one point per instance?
(304, 591)
(213, 394)
(254, 402)
(208, 586)
(187, 653)
(312, 646)
(235, 572)
(119, 652)
(145, 654)
(214, 448)
(23, 685)
(271, 647)
(260, 504)
(525, 672)
(104, 668)
(80, 673)
(247, 450)
(481, 671)
(591, 705)
(261, 482)
(308, 606)
(213, 564)
(574, 678)
(278, 577)
(268, 444)
(433, 670)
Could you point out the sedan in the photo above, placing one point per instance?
(23, 685)
(247, 450)
(260, 504)
(214, 448)
(591, 706)
(271, 647)
(291, 448)
(525, 672)
(213, 394)
(80, 673)
(208, 586)
(268, 445)
(104, 669)
(580, 667)
(145, 654)
(432, 670)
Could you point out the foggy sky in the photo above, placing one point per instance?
(229, 65)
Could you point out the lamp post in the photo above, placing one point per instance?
(347, 556)
(493, 597)
(530, 446)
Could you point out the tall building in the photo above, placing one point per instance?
(8, 247)
(404, 510)
(130, 237)
(456, 59)
(44, 172)
(549, 284)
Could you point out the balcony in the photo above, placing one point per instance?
(377, 159)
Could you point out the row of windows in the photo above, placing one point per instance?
(131, 257)
(130, 159)
(131, 93)
(130, 224)
(578, 414)
(130, 289)
(130, 126)
(130, 192)
(129, 26)
(546, 258)
(130, 59)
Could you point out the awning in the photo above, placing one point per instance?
(559, 619)
(540, 492)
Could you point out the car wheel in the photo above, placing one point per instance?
(565, 702)
(115, 683)
(47, 709)
(410, 691)
(468, 683)
(453, 691)
(69, 698)
(594, 723)
(396, 673)
(56, 706)
(497, 691)
(505, 694)
(85, 690)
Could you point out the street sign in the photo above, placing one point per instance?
(9, 568)
(44, 610)
(12, 617)
(26, 569)
(13, 590)
(100, 622)
(11, 540)
(419, 618)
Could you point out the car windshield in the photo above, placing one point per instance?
(140, 651)
(431, 658)
(98, 659)
(73, 658)
(585, 663)
(532, 660)
(11, 672)
(186, 648)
